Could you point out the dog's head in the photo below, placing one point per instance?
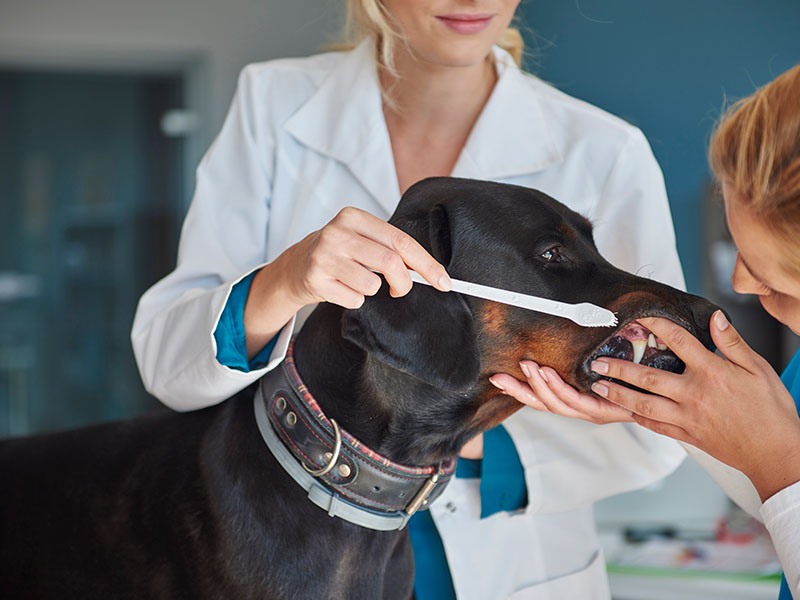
(522, 240)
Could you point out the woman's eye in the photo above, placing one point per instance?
(551, 255)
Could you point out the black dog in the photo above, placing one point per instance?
(196, 506)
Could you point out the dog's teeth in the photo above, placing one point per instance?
(639, 346)
(661, 346)
(651, 341)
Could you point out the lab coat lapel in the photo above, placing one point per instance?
(511, 137)
(344, 120)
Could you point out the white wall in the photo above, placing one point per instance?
(213, 39)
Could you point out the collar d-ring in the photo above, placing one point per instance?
(337, 447)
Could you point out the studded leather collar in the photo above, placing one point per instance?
(383, 493)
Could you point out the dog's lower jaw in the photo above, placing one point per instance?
(422, 425)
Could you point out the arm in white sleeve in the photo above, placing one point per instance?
(781, 514)
(223, 238)
(734, 483)
(633, 230)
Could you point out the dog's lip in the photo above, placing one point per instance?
(677, 319)
(586, 376)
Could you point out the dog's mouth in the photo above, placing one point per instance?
(635, 343)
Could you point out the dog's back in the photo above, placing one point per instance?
(87, 509)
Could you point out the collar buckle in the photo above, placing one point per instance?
(421, 499)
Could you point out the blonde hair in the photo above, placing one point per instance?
(755, 150)
(370, 17)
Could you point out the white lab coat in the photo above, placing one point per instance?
(305, 138)
(781, 515)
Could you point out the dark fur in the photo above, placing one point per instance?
(194, 506)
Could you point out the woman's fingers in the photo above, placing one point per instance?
(590, 408)
(648, 406)
(518, 390)
(554, 395)
(599, 409)
(687, 347)
(397, 243)
(342, 261)
(731, 344)
(554, 404)
(647, 378)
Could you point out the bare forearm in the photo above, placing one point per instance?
(269, 306)
(778, 465)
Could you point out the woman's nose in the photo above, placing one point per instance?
(743, 282)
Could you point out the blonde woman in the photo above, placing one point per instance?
(734, 408)
(290, 210)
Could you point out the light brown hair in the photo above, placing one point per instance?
(755, 150)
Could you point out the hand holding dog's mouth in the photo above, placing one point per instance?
(626, 359)
(628, 390)
(546, 391)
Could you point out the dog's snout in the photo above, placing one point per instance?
(701, 311)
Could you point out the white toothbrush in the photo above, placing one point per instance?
(584, 313)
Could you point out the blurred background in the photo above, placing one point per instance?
(107, 106)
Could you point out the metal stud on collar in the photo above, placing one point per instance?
(337, 447)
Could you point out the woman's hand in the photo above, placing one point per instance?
(734, 408)
(547, 392)
(340, 264)
(737, 410)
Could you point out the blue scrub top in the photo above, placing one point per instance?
(791, 379)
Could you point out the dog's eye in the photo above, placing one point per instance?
(551, 255)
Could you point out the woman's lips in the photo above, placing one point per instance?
(466, 24)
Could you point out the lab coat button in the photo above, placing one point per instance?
(450, 507)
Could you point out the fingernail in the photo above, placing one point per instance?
(600, 389)
(497, 385)
(525, 370)
(445, 283)
(720, 321)
(600, 366)
(542, 373)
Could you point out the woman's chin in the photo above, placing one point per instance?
(458, 55)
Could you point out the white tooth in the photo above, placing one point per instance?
(651, 341)
(639, 346)
(661, 346)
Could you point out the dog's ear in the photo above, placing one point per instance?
(427, 333)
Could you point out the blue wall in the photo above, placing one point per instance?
(665, 67)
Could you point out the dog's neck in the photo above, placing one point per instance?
(394, 413)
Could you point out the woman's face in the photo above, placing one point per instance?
(759, 267)
(452, 33)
